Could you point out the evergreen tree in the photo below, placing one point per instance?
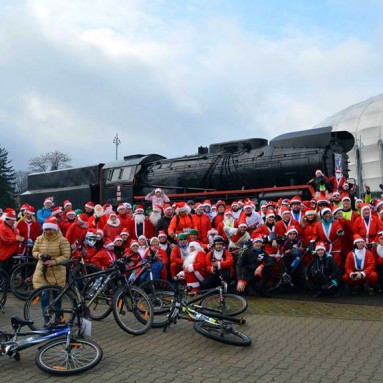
(7, 178)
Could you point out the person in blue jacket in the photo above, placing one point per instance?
(45, 212)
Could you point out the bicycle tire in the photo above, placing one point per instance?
(222, 332)
(33, 310)
(233, 304)
(20, 281)
(101, 306)
(3, 287)
(307, 276)
(54, 358)
(276, 276)
(161, 294)
(132, 310)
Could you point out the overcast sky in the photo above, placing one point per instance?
(171, 75)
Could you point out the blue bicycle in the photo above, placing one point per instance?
(65, 353)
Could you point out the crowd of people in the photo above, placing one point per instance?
(340, 236)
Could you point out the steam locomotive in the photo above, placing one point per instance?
(252, 168)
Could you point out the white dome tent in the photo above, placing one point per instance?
(365, 121)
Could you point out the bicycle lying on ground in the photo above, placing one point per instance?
(64, 353)
(207, 322)
(111, 291)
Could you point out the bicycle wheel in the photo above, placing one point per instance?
(57, 358)
(223, 332)
(232, 304)
(20, 281)
(3, 287)
(132, 310)
(276, 277)
(161, 294)
(44, 308)
(308, 276)
(99, 303)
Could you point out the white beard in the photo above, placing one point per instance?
(229, 222)
(154, 217)
(139, 218)
(190, 258)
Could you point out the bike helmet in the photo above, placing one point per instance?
(90, 239)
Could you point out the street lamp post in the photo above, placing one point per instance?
(116, 141)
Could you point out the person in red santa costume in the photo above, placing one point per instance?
(140, 225)
(286, 221)
(77, 231)
(155, 215)
(218, 261)
(98, 219)
(367, 225)
(112, 227)
(123, 215)
(182, 221)
(105, 257)
(308, 226)
(9, 239)
(250, 217)
(70, 219)
(360, 267)
(228, 221)
(194, 266)
(338, 180)
(159, 261)
(28, 227)
(330, 232)
(268, 234)
(88, 249)
(201, 222)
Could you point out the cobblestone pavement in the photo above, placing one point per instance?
(293, 341)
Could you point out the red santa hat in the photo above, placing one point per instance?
(338, 169)
(285, 202)
(112, 213)
(365, 206)
(83, 218)
(157, 208)
(336, 209)
(121, 206)
(309, 211)
(228, 213)
(296, 199)
(377, 204)
(161, 233)
(320, 246)
(10, 214)
(346, 196)
(57, 210)
(48, 200)
(107, 208)
(182, 207)
(23, 206)
(118, 238)
(89, 205)
(207, 202)
(335, 193)
(258, 239)
(50, 223)
(248, 205)
(67, 203)
(153, 239)
(125, 231)
(242, 225)
(234, 203)
(29, 210)
(134, 243)
(109, 244)
(70, 212)
(285, 210)
(142, 237)
(324, 210)
(139, 209)
(167, 207)
(358, 238)
(220, 203)
(318, 172)
(270, 214)
(291, 229)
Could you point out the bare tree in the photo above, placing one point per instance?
(21, 181)
(50, 161)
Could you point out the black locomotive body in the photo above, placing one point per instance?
(289, 160)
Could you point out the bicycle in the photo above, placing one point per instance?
(207, 322)
(3, 288)
(131, 307)
(63, 353)
(20, 280)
